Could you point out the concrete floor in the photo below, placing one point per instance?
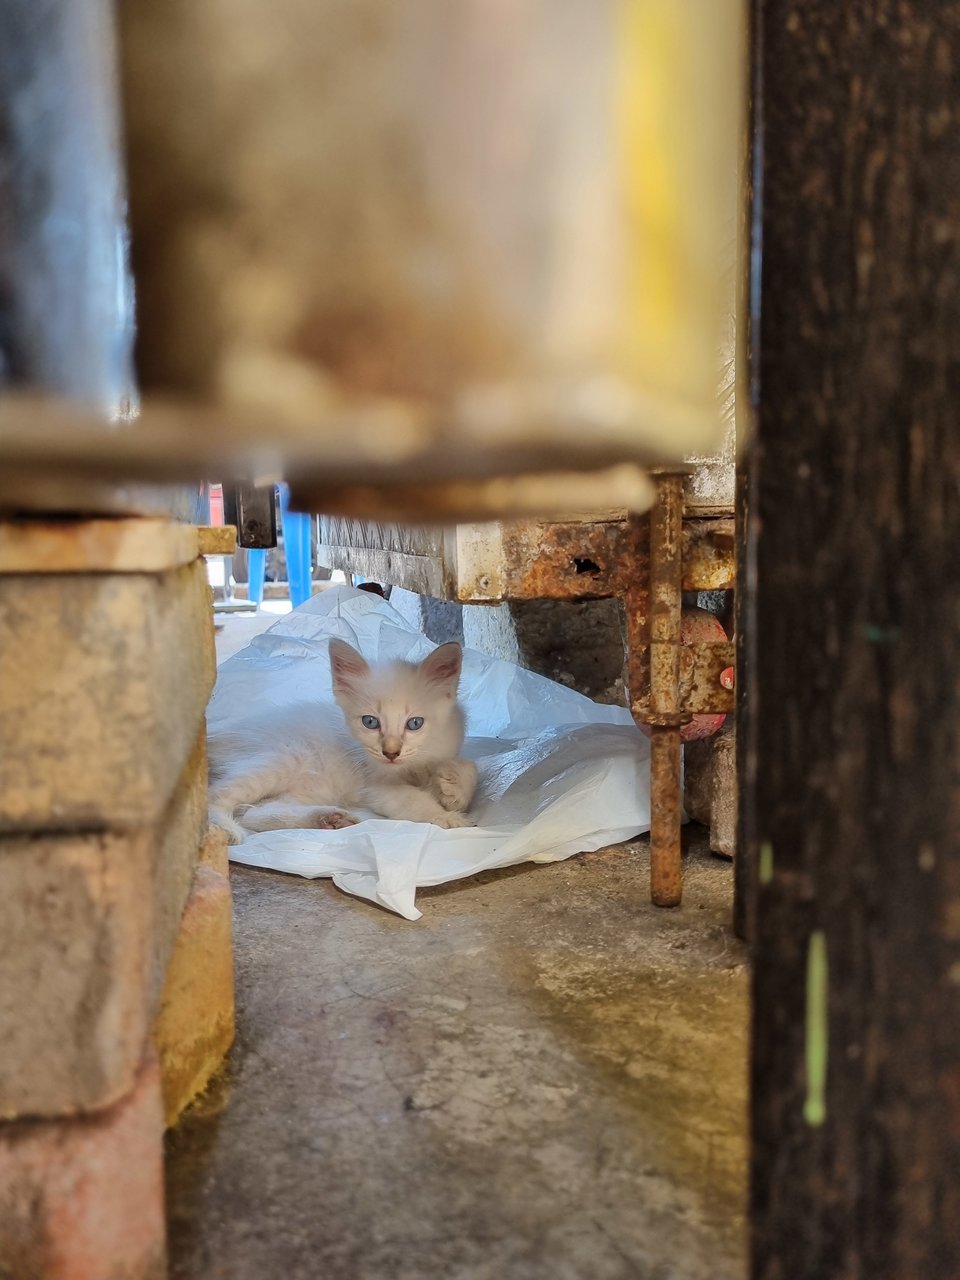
(543, 1079)
(234, 631)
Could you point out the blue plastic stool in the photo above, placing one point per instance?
(296, 541)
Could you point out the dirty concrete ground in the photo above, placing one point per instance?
(543, 1079)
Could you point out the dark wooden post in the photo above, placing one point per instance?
(854, 643)
(745, 862)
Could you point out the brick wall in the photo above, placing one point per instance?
(108, 885)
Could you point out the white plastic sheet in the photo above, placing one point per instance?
(559, 774)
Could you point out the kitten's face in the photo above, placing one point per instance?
(401, 713)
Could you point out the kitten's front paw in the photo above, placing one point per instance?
(450, 820)
(334, 820)
(454, 783)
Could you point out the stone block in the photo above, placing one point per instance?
(214, 851)
(698, 779)
(74, 969)
(723, 798)
(195, 1025)
(87, 925)
(103, 686)
(710, 786)
(138, 545)
(82, 1198)
(180, 836)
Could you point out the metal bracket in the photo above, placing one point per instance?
(705, 683)
(252, 508)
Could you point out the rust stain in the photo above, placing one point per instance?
(709, 555)
(574, 561)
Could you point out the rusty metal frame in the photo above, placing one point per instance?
(580, 560)
(648, 562)
(667, 681)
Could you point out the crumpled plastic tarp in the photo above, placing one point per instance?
(559, 774)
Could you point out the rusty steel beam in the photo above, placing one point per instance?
(583, 560)
(575, 561)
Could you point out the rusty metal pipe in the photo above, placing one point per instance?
(666, 874)
(665, 718)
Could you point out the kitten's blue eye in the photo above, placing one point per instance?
(415, 722)
(370, 722)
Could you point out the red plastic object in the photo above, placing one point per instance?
(216, 504)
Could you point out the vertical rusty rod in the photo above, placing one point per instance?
(666, 876)
(666, 520)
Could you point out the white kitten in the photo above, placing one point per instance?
(394, 750)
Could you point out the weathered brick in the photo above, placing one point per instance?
(140, 544)
(195, 1025)
(214, 851)
(698, 779)
(82, 1198)
(181, 834)
(103, 686)
(87, 925)
(723, 798)
(74, 969)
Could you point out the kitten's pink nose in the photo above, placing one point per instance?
(391, 755)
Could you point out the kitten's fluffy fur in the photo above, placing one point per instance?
(310, 765)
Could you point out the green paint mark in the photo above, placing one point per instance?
(766, 862)
(815, 1107)
(880, 635)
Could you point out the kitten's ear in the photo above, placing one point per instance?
(346, 665)
(443, 665)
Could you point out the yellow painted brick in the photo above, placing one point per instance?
(195, 1025)
(179, 841)
(217, 539)
(213, 851)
